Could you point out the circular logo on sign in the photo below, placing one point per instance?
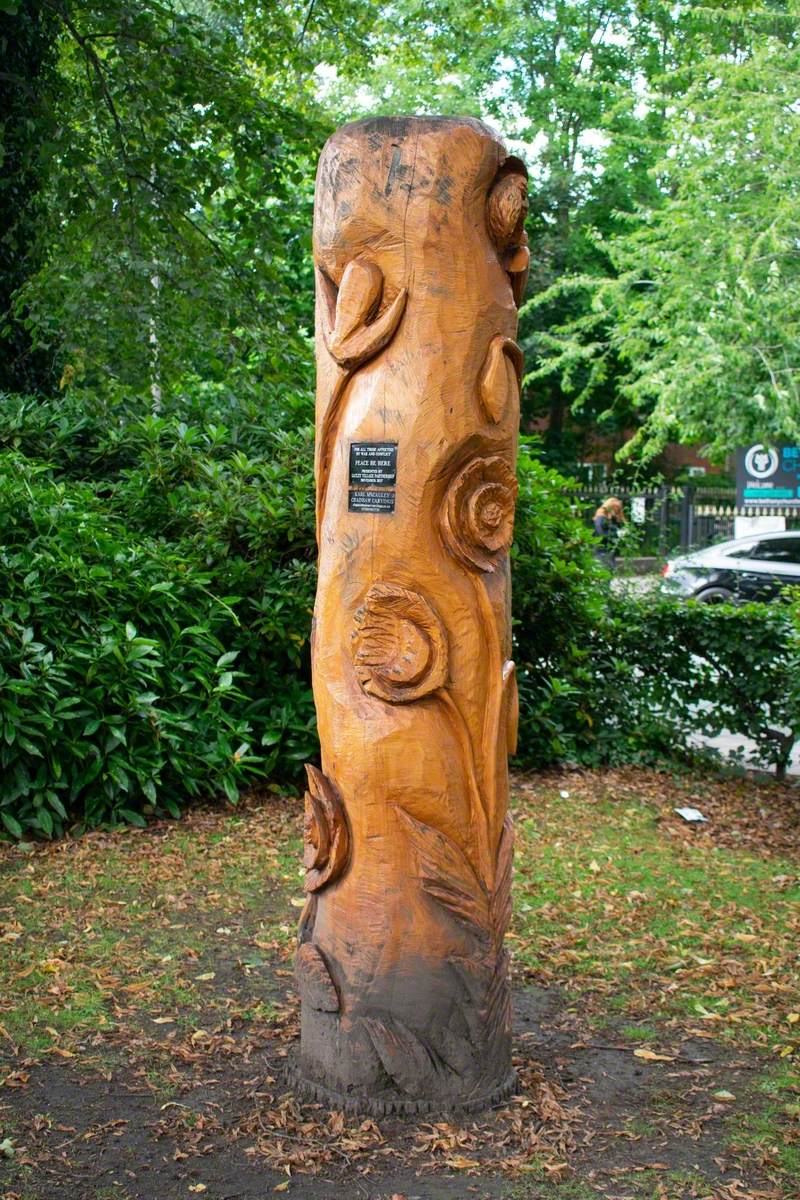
(761, 462)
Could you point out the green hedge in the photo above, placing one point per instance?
(155, 607)
(678, 670)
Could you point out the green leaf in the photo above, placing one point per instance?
(133, 818)
(12, 824)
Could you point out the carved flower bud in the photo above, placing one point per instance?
(498, 383)
(352, 326)
(325, 833)
(478, 513)
(399, 645)
(506, 210)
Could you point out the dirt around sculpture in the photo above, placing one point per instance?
(421, 261)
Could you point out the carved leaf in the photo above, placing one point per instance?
(325, 832)
(501, 899)
(352, 337)
(498, 386)
(314, 982)
(497, 1012)
(475, 975)
(511, 705)
(485, 977)
(413, 1065)
(518, 260)
(358, 298)
(518, 266)
(447, 876)
(459, 1053)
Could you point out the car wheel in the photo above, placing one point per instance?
(715, 595)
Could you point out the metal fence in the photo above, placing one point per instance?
(667, 518)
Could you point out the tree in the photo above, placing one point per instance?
(595, 94)
(27, 52)
(174, 237)
(562, 81)
(699, 313)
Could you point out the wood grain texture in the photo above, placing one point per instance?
(421, 260)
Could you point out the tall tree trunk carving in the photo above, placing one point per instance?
(421, 262)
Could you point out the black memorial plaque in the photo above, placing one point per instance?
(362, 501)
(373, 464)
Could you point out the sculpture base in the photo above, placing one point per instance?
(394, 1103)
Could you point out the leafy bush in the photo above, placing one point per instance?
(156, 606)
(644, 676)
(155, 609)
(559, 592)
(117, 689)
(679, 670)
(615, 678)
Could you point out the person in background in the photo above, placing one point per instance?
(608, 522)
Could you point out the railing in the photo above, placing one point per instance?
(665, 519)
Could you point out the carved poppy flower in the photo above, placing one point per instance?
(399, 645)
(478, 513)
(325, 834)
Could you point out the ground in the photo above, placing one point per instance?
(147, 1015)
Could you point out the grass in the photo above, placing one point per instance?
(119, 926)
(762, 1134)
(613, 898)
(130, 947)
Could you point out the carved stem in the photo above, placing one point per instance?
(493, 706)
(481, 819)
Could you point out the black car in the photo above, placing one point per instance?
(757, 567)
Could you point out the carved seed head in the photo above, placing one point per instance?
(506, 210)
(478, 512)
(399, 645)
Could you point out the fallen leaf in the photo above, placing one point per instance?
(205, 977)
(651, 1056)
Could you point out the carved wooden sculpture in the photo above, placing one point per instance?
(421, 261)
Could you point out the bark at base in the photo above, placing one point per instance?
(391, 1103)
